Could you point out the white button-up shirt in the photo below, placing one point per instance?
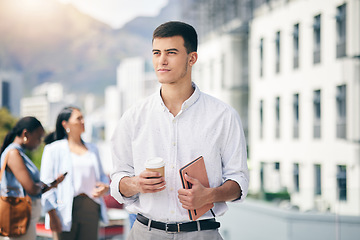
(205, 126)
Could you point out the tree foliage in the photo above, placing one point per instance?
(36, 155)
(7, 122)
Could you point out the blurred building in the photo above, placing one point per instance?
(136, 80)
(222, 67)
(305, 102)
(11, 90)
(45, 103)
(112, 110)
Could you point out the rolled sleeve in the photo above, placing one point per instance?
(114, 188)
(122, 160)
(115, 191)
(244, 184)
(235, 166)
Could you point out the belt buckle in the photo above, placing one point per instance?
(167, 228)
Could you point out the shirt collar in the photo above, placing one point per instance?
(193, 98)
(187, 103)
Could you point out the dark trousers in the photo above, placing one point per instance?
(85, 220)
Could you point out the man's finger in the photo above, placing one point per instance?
(190, 179)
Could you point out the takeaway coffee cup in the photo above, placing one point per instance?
(156, 164)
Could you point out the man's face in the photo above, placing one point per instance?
(171, 61)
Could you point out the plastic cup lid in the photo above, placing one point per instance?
(156, 162)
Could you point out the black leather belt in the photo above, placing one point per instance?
(207, 224)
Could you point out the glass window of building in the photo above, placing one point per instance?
(261, 113)
(317, 114)
(341, 182)
(277, 166)
(296, 115)
(296, 46)
(296, 177)
(317, 178)
(261, 48)
(341, 111)
(341, 31)
(5, 95)
(277, 52)
(317, 39)
(277, 117)
(262, 184)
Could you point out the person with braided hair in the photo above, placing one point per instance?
(21, 176)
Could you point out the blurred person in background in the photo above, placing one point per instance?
(74, 208)
(21, 177)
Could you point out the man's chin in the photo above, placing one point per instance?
(163, 81)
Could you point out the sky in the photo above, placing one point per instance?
(118, 12)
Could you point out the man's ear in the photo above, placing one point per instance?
(193, 58)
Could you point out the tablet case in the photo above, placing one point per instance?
(196, 169)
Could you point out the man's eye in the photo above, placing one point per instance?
(172, 53)
(155, 53)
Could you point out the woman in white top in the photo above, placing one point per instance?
(75, 208)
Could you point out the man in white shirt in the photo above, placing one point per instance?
(179, 123)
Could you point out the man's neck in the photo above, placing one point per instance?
(174, 95)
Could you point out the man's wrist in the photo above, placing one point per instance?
(228, 191)
(211, 193)
(128, 186)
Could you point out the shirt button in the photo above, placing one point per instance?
(172, 212)
(171, 189)
(174, 143)
(172, 166)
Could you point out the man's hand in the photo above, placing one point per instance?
(195, 197)
(146, 182)
(150, 182)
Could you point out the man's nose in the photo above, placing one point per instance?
(163, 59)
